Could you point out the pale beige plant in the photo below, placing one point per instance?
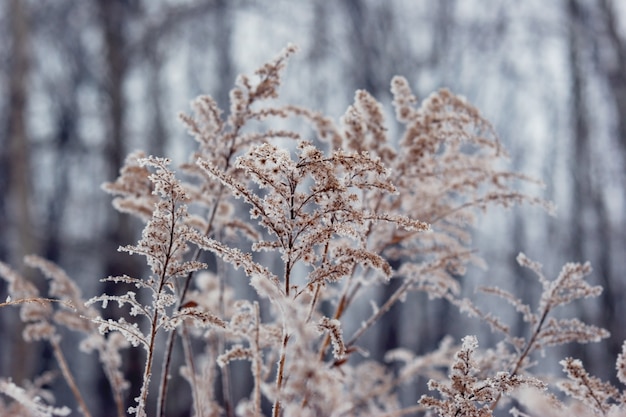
(476, 388)
(310, 213)
(42, 321)
(29, 401)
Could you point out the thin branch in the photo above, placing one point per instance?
(69, 378)
(280, 372)
(257, 362)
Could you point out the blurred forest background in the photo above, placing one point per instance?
(84, 82)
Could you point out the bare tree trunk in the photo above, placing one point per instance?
(365, 46)
(19, 150)
(610, 233)
(223, 16)
(589, 222)
(580, 133)
(113, 15)
(157, 131)
(230, 392)
(616, 75)
(23, 240)
(112, 18)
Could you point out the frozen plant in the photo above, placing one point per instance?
(310, 217)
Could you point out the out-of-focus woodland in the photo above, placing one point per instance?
(83, 83)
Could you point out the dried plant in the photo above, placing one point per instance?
(310, 217)
(29, 401)
(472, 384)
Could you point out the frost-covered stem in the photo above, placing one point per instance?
(225, 373)
(67, 374)
(169, 347)
(526, 351)
(287, 274)
(280, 373)
(167, 361)
(347, 293)
(338, 312)
(192, 368)
(257, 363)
(290, 241)
(318, 285)
(531, 343)
(343, 303)
(119, 402)
(381, 311)
(221, 345)
(283, 349)
(316, 296)
(154, 327)
(147, 374)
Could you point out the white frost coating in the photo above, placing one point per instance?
(33, 404)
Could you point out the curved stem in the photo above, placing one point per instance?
(67, 374)
(221, 347)
(154, 324)
(280, 373)
(257, 363)
(192, 368)
(526, 351)
(396, 296)
(170, 340)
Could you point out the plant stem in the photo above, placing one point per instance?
(381, 311)
(526, 351)
(257, 363)
(170, 340)
(192, 369)
(147, 372)
(221, 347)
(316, 296)
(147, 375)
(280, 373)
(67, 374)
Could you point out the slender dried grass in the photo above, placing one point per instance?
(334, 205)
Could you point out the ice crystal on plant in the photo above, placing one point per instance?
(33, 406)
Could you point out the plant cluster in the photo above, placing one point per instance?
(311, 217)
